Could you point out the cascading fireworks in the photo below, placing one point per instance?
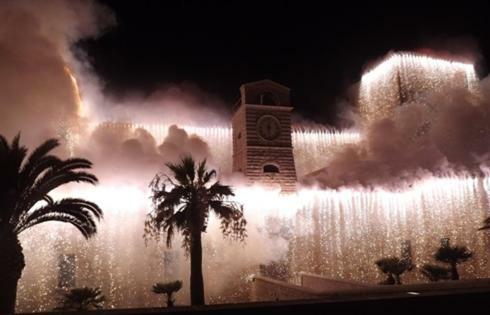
(312, 146)
(68, 128)
(76, 92)
(406, 77)
(338, 233)
(341, 233)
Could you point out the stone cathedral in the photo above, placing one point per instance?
(262, 146)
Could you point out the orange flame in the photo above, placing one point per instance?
(76, 92)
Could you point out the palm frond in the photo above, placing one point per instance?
(86, 230)
(40, 152)
(186, 207)
(17, 154)
(486, 224)
(217, 190)
(78, 212)
(201, 172)
(31, 174)
(82, 299)
(167, 287)
(222, 210)
(208, 176)
(3, 143)
(453, 254)
(30, 180)
(189, 167)
(53, 180)
(172, 198)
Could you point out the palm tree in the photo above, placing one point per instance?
(394, 267)
(82, 299)
(486, 224)
(25, 184)
(435, 273)
(168, 288)
(452, 255)
(185, 207)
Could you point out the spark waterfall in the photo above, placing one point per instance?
(407, 77)
(312, 146)
(343, 232)
(338, 233)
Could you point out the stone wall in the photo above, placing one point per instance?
(328, 285)
(267, 289)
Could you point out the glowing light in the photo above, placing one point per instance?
(338, 233)
(312, 147)
(405, 77)
(342, 232)
(76, 92)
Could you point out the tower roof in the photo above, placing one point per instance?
(265, 82)
(265, 92)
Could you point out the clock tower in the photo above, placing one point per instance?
(262, 147)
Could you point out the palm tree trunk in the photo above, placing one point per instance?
(197, 282)
(454, 271)
(11, 266)
(397, 279)
(170, 300)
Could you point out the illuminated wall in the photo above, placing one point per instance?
(408, 77)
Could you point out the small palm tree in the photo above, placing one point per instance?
(186, 206)
(435, 273)
(393, 267)
(25, 184)
(168, 288)
(82, 299)
(452, 255)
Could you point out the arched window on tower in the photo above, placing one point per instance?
(268, 98)
(271, 169)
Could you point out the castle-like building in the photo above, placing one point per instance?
(262, 134)
(262, 145)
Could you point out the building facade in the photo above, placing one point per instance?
(262, 146)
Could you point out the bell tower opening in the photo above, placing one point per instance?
(267, 98)
(262, 144)
(270, 168)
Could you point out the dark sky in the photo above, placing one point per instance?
(316, 48)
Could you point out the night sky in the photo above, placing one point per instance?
(316, 48)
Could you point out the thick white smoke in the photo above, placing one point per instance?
(36, 92)
(38, 99)
(448, 132)
(445, 133)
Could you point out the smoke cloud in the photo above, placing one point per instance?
(448, 132)
(120, 153)
(183, 103)
(445, 133)
(36, 92)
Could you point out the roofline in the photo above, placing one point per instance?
(268, 81)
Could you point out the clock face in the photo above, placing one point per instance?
(268, 127)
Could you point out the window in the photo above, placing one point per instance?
(271, 168)
(239, 135)
(268, 98)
